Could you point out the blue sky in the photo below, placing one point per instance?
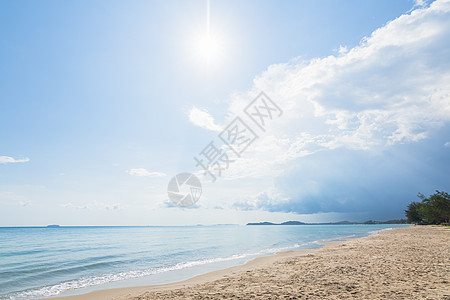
(102, 102)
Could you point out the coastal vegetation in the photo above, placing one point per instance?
(432, 210)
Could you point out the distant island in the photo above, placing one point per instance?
(53, 226)
(401, 221)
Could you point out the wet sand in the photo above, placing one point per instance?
(405, 263)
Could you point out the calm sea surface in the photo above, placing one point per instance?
(44, 262)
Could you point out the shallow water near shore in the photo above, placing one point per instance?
(46, 262)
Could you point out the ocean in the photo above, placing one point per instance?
(38, 262)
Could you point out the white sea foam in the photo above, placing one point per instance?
(379, 230)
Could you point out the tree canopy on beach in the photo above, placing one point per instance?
(432, 210)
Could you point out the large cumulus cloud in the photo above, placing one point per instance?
(351, 119)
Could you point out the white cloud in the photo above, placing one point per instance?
(203, 118)
(9, 159)
(447, 145)
(420, 3)
(144, 172)
(71, 205)
(114, 206)
(392, 88)
(94, 205)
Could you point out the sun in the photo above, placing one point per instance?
(209, 49)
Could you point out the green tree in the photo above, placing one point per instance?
(432, 210)
(413, 213)
(437, 208)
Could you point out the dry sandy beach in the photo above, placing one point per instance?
(406, 263)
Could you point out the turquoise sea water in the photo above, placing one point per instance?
(44, 262)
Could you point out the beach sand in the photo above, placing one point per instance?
(405, 263)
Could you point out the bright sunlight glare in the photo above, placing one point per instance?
(209, 49)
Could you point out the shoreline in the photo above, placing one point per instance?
(137, 285)
(254, 265)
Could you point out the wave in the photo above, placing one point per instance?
(53, 290)
(379, 230)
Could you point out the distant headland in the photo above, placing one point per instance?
(401, 221)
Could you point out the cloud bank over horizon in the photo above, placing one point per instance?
(360, 127)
